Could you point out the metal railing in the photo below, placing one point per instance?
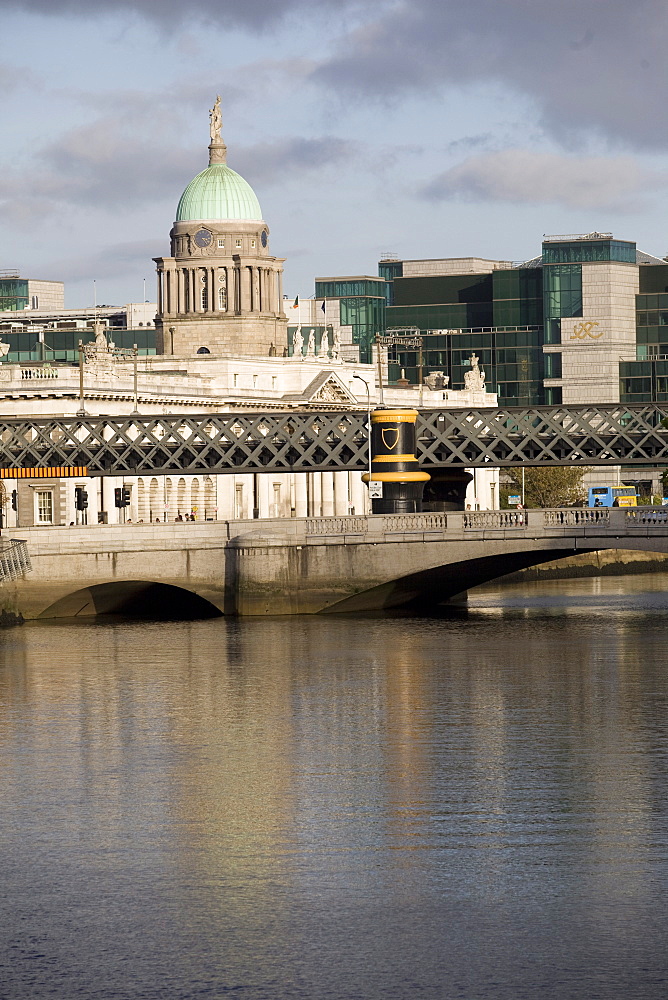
(14, 559)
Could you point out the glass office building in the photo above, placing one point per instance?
(362, 305)
(498, 316)
(34, 344)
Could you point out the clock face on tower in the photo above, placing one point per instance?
(264, 237)
(203, 238)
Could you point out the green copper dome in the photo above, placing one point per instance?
(216, 195)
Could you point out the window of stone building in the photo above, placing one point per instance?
(239, 501)
(235, 379)
(273, 381)
(237, 244)
(253, 244)
(221, 244)
(44, 502)
(254, 381)
(276, 508)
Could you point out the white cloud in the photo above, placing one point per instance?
(525, 177)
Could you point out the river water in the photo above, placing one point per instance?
(465, 806)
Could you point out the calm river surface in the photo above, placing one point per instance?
(467, 806)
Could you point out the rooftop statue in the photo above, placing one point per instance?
(475, 379)
(297, 343)
(216, 121)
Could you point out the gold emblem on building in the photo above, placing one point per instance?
(582, 330)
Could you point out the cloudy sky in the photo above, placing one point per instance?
(426, 128)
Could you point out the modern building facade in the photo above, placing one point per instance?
(19, 294)
(554, 329)
(53, 335)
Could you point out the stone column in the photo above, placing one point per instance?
(316, 494)
(340, 493)
(301, 496)
(358, 493)
(160, 274)
(213, 291)
(182, 292)
(244, 275)
(327, 493)
(266, 290)
(279, 291)
(197, 300)
(236, 307)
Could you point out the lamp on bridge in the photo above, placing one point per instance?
(394, 462)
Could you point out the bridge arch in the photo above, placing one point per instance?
(437, 584)
(132, 599)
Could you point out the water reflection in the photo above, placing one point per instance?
(365, 807)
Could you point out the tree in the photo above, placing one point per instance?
(553, 486)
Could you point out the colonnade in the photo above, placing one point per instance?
(236, 289)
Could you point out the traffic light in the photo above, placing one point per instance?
(15, 500)
(122, 496)
(126, 496)
(81, 498)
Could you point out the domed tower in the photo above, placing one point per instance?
(220, 291)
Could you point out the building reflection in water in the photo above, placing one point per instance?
(261, 769)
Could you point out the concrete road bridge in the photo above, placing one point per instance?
(305, 566)
(300, 441)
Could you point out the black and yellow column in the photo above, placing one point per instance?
(394, 462)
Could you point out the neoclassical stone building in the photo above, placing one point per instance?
(220, 291)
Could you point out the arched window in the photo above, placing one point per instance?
(195, 499)
(209, 499)
(154, 501)
(203, 350)
(181, 498)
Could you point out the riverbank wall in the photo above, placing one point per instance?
(610, 562)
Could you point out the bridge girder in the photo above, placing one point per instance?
(610, 434)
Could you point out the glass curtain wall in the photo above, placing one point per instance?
(13, 294)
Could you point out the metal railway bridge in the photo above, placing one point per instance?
(609, 434)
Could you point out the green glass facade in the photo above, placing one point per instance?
(588, 250)
(645, 380)
(497, 316)
(62, 345)
(13, 294)
(362, 304)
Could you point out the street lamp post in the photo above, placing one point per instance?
(135, 411)
(368, 415)
(81, 412)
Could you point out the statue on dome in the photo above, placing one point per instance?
(310, 350)
(324, 345)
(297, 343)
(216, 121)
